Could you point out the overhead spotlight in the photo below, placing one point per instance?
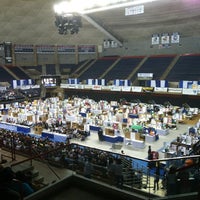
(68, 23)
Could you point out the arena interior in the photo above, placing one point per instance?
(100, 99)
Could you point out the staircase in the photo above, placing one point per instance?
(136, 178)
(110, 68)
(174, 61)
(86, 68)
(130, 77)
(37, 181)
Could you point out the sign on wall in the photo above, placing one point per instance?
(175, 38)
(155, 39)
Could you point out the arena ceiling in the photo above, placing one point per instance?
(32, 22)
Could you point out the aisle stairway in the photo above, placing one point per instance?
(135, 178)
(36, 180)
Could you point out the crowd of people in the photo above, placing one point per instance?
(92, 162)
(14, 185)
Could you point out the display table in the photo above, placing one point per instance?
(162, 131)
(56, 137)
(150, 138)
(94, 128)
(109, 131)
(113, 139)
(38, 130)
(140, 144)
(169, 154)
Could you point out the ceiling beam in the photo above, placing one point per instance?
(110, 34)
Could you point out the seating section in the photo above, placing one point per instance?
(34, 70)
(156, 65)
(123, 68)
(50, 69)
(5, 76)
(186, 68)
(18, 72)
(10, 95)
(66, 69)
(32, 92)
(85, 64)
(98, 68)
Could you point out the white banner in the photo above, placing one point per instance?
(72, 86)
(80, 86)
(105, 88)
(165, 38)
(134, 10)
(160, 89)
(115, 88)
(155, 39)
(96, 87)
(137, 89)
(88, 86)
(190, 91)
(63, 85)
(175, 38)
(126, 89)
(175, 90)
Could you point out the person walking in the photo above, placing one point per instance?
(88, 169)
(157, 178)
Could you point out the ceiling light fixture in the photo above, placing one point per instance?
(91, 6)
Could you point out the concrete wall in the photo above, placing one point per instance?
(136, 48)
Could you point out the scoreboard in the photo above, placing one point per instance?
(50, 80)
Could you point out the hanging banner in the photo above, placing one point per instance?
(66, 49)
(23, 48)
(86, 49)
(45, 49)
(175, 38)
(165, 38)
(155, 39)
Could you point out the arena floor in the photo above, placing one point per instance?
(53, 174)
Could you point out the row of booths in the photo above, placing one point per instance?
(131, 123)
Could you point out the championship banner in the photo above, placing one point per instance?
(155, 39)
(165, 38)
(86, 49)
(23, 48)
(45, 49)
(66, 49)
(175, 38)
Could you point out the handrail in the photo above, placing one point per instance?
(39, 155)
(99, 167)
